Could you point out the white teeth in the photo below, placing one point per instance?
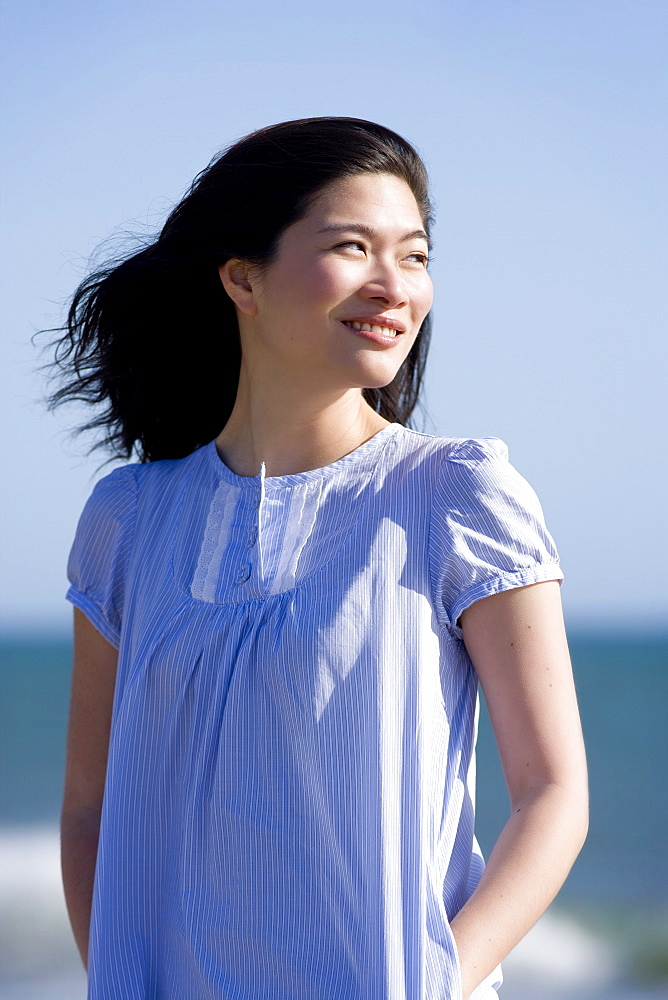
(386, 331)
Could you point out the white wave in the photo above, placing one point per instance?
(67, 986)
(559, 951)
(35, 935)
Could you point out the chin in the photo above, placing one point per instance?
(370, 372)
(378, 379)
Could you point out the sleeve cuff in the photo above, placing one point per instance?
(94, 615)
(497, 584)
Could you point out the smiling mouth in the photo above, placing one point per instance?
(386, 331)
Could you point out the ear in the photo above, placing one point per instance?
(237, 282)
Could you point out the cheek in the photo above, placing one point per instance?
(424, 297)
(309, 283)
(325, 282)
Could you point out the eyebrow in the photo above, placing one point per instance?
(359, 227)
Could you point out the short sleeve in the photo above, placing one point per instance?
(487, 531)
(98, 561)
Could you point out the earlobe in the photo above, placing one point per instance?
(235, 276)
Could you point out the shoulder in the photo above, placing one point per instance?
(478, 465)
(118, 498)
(476, 474)
(135, 479)
(450, 456)
(452, 448)
(478, 484)
(446, 467)
(113, 497)
(476, 450)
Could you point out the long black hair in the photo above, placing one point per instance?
(152, 341)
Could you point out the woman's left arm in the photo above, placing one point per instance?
(517, 643)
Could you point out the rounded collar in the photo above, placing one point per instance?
(353, 458)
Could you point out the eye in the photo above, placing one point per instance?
(350, 243)
(421, 258)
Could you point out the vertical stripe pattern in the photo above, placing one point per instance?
(289, 804)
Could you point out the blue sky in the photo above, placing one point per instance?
(543, 125)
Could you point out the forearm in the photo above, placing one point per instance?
(525, 871)
(79, 838)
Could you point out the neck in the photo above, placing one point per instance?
(296, 437)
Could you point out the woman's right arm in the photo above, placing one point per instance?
(93, 681)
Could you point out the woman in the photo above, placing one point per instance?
(283, 610)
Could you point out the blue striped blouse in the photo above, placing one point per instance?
(289, 802)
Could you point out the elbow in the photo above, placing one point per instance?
(563, 809)
(575, 811)
(574, 799)
(79, 827)
(580, 795)
(582, 823)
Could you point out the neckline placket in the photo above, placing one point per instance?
(261, 525)
(263, 471)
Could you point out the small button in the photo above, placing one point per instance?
(252, 539)
(257, 501)
(244, 573)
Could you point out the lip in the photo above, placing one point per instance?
(393, 324)
(377, 338)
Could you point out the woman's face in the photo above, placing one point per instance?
(357, 258)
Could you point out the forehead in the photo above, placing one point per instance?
(378, 199)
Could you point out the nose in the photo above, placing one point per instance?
(386, 287)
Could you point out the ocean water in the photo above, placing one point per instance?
(606, 936)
